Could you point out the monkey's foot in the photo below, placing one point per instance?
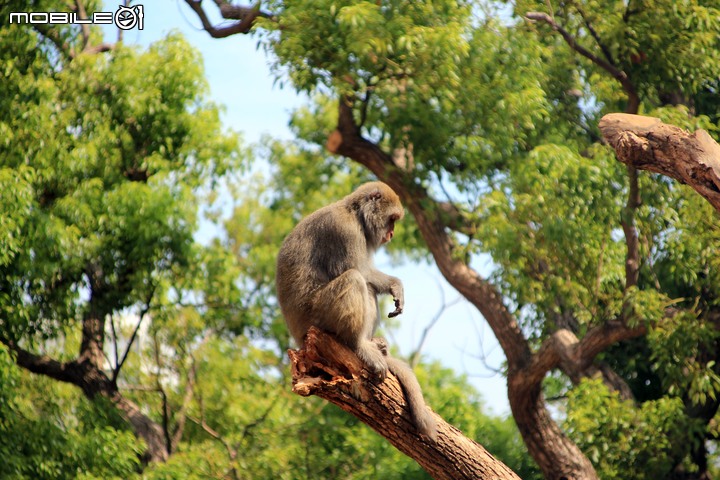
(381, 344)
(373, 359)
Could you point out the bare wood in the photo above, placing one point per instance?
(328, 369)
(649, 144)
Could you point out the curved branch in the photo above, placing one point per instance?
(93, 381)
(328, 369)
(557, 456)
(245, 17)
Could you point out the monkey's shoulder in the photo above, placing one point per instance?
(331, 225)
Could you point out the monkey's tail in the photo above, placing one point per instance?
(423, 417)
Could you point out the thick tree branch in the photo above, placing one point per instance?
(328, 369)
(84, 27)
(68, 372)
(245, 17)
(647, 143)
(93, 381)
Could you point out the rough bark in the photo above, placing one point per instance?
(647, 143)
(328, 369)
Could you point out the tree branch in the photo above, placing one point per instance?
(632, 242)
(575, 356)
(415, 356)
(647, 143)
(52, 35)
(245, 17)
(143, 312)
(93, 381)
(596, 37)
(619, 75)
(181, 415)
(347, 140)
(231, 451)
(328, 369)
(68, 372)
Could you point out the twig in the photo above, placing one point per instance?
(619, 75)
(415, 357)
(143, 312)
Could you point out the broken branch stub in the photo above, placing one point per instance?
(328, 369)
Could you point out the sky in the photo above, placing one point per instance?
(240, 79)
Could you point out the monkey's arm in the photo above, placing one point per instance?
(387, 284)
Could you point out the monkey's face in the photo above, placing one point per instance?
(390, 228)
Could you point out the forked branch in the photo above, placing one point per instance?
(618, 74)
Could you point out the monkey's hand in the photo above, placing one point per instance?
(398, 309)
(396, 290)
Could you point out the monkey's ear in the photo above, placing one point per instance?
(374, 195)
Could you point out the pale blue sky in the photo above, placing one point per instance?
(240, 79)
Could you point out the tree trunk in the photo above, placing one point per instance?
(328, 369)
(559, 457)
(649, 144)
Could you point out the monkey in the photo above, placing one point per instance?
(326, 278)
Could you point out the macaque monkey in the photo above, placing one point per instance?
(326, 278)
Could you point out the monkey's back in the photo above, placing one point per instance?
(321, 247)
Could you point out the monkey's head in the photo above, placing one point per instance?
(378, 208)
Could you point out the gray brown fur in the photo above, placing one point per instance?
(326, 278)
